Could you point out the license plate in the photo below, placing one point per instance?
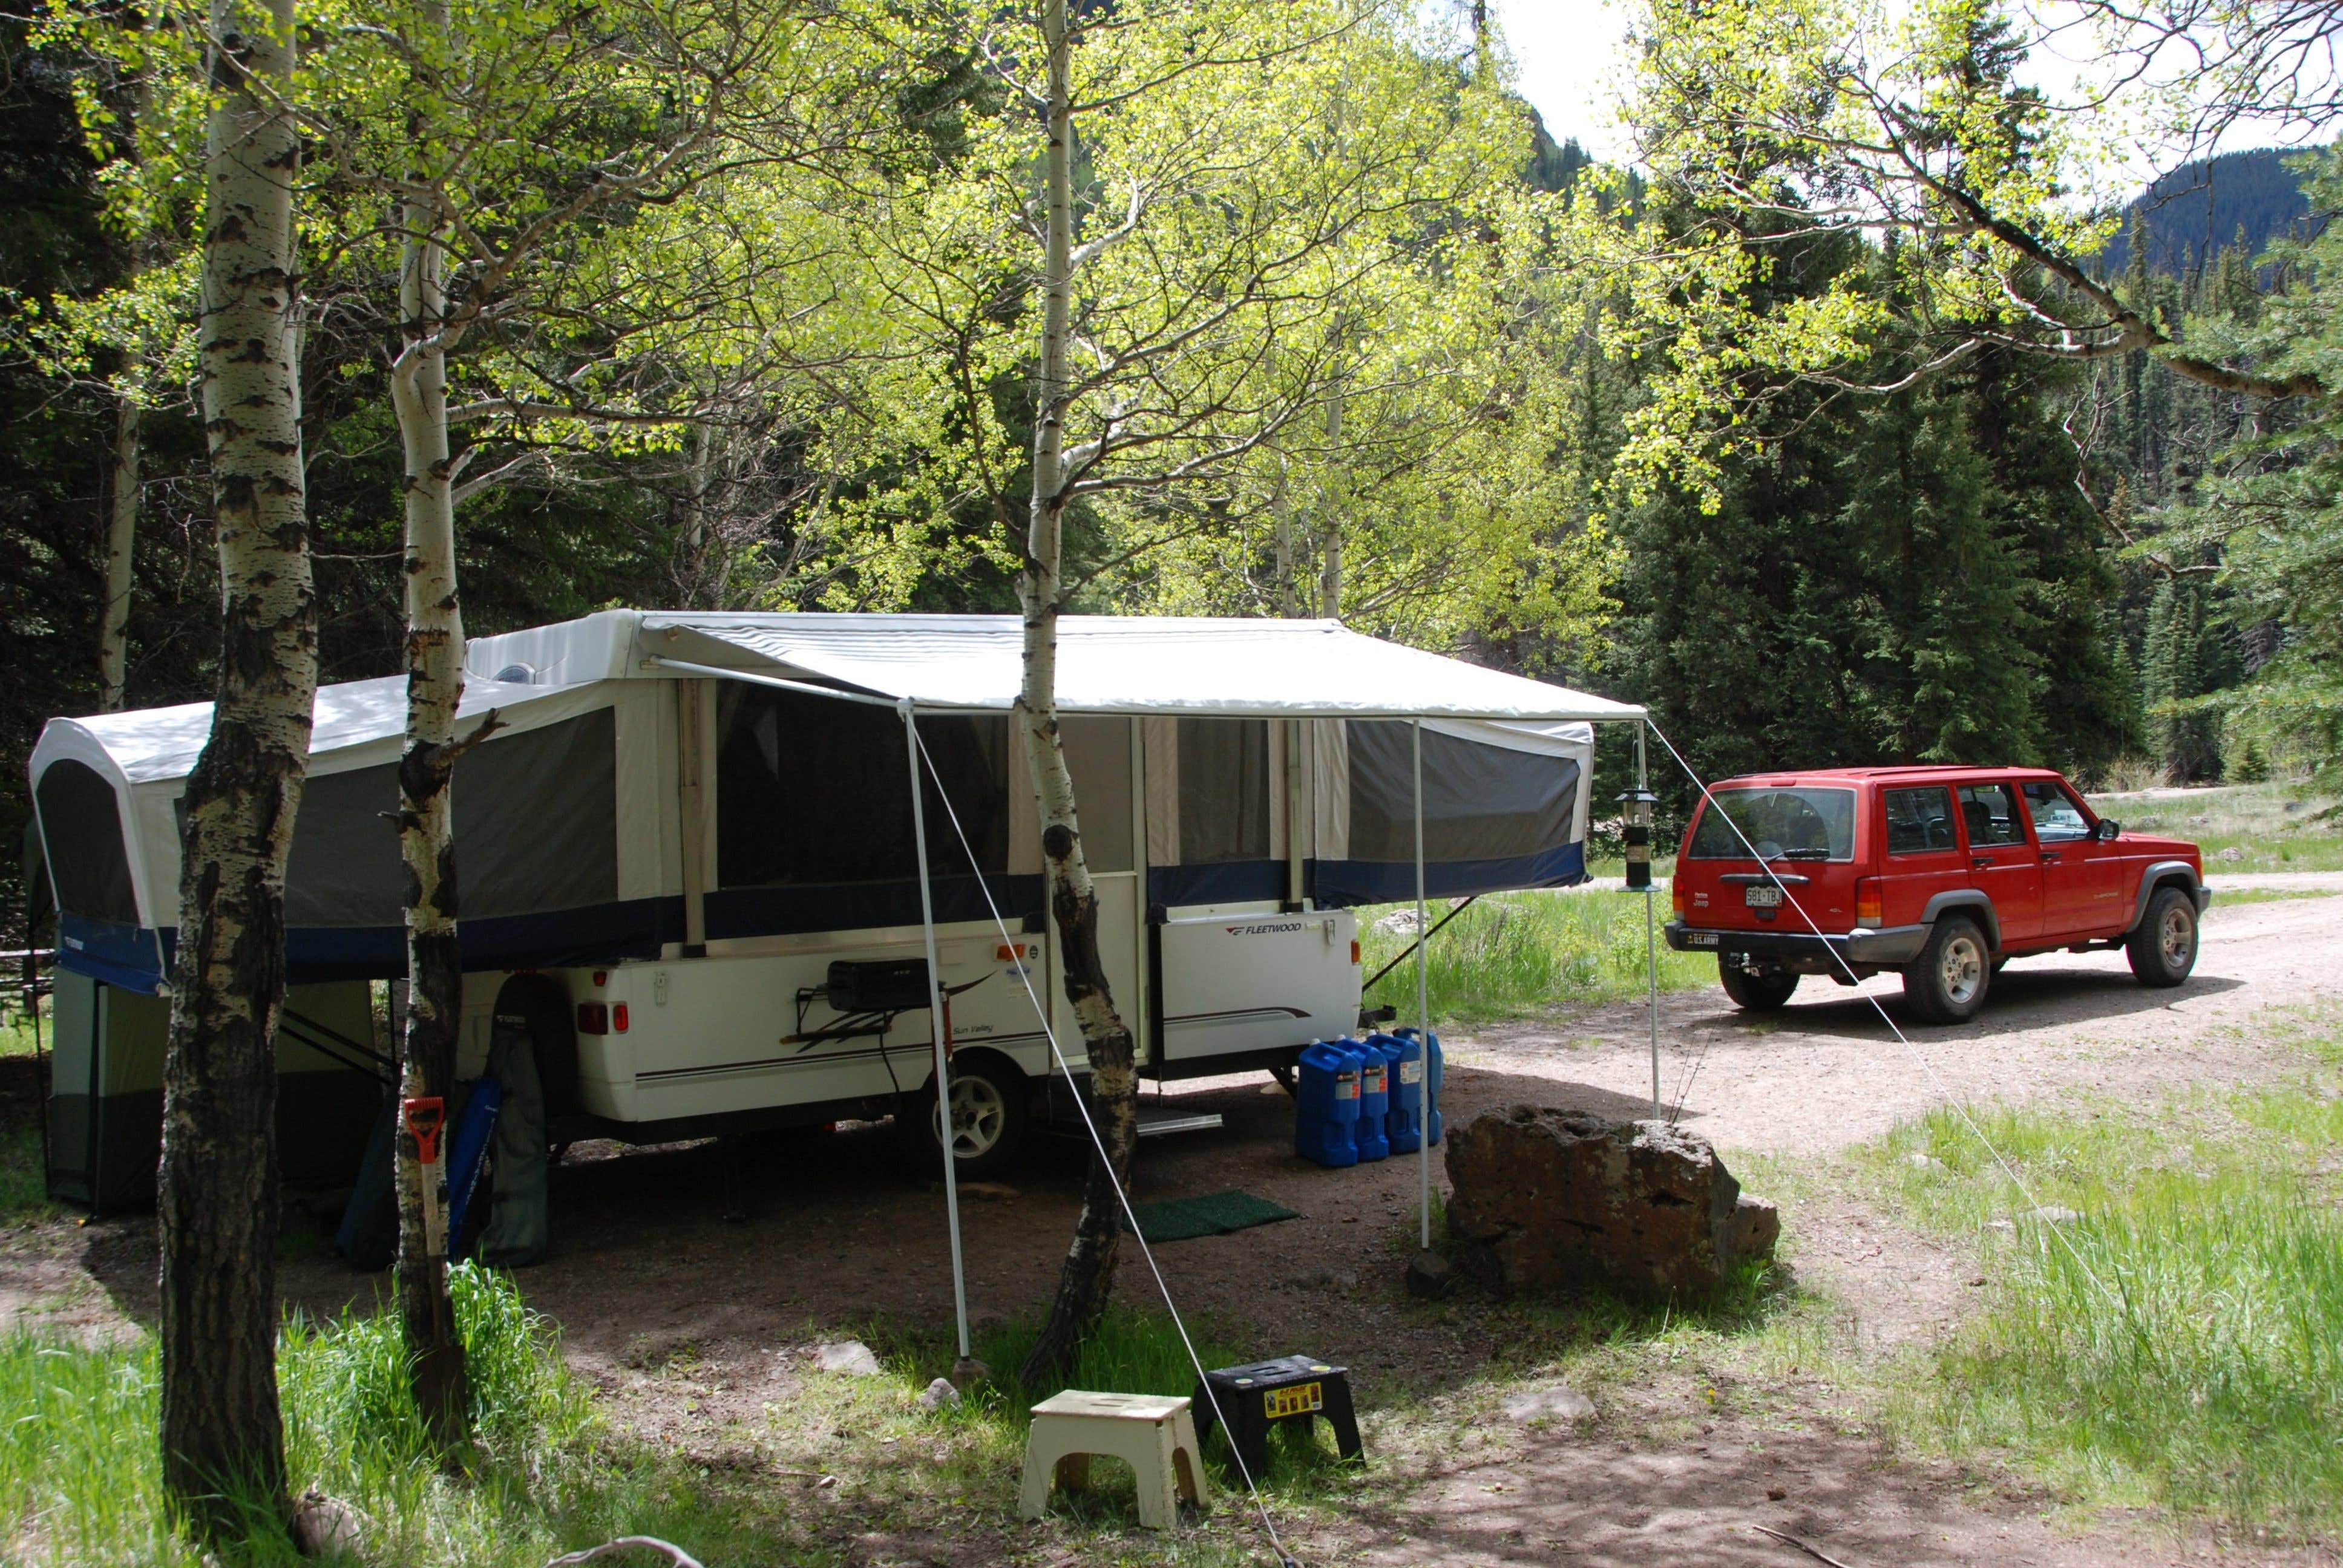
(1300, 1399)
(1700, 938)
(1763, 896)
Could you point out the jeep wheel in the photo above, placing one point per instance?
(1754, 993)
(1947, 983)
(2163, 947)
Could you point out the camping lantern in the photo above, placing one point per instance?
(1635, 824)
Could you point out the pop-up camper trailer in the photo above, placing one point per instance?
(687, 864)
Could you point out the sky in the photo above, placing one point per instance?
(1569, 54)
(1571, 58)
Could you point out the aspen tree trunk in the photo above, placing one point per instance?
(1330, 558)
(1087, 1280)
(434, 684)
(1289, 587)
(121, 538)
(222, 1433)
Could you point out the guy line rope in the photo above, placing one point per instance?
(1098, 1146)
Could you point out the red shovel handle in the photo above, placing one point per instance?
(426, 1114)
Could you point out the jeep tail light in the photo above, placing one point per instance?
(1868, 910)
(619, 1018)
(593, 1018)
(1354, 950)
(1675, 897)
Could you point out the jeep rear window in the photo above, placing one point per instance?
(1920, 820)
(1807, 824)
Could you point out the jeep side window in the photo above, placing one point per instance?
(1991, 812)
(2057, 818)
(1920, 820)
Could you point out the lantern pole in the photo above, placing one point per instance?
(1636, 828)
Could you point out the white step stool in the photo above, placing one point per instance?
(1153, 1433)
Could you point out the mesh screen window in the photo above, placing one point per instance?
(812, 792)
(1223, 790)
(81, 827)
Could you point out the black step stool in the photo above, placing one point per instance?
(1258, 1396)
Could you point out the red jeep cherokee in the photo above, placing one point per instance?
(1940, 872)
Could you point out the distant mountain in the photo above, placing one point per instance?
(2201, 208)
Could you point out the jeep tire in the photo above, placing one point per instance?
(1754, 993)
(1948, 982)
(2163, 947)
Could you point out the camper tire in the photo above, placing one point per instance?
(991, 1103)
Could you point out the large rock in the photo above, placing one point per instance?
(1546, 1199)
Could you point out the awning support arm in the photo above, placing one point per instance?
(1410, 951)
(936, 1026)
(1423, 1000)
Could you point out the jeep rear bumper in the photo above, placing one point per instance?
(1803, 950)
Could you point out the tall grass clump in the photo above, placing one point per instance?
(1521, 953)
(80, 1478)
(2180, 1344)
(1131, 1352)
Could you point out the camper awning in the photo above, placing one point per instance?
(1120, 665)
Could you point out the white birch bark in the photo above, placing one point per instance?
(435, 685)
(216, 1199)
(1087, 1280)
(1329, 556)
(121, 539)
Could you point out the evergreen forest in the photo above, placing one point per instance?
(1493, 444)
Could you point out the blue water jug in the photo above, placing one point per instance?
(1432, 1073)
(1403, 1066)
(1375, 1100)
(1326, 1106)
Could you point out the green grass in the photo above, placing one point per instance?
(1515, 954)
(24, 1184)
(2232, 898)
(2271, 827)
(17, 1034)
(2179, 1347)
(80, 1480)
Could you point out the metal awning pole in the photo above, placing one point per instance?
(936, 1028)
(1651, 940)
(1423, 999)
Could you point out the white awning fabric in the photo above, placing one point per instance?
(1122, 665)
(161, 744)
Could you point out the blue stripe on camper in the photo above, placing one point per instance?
(550, 938)
(863, 906)
(115, 952)
(554, 938)
(1229, 882)
(1338, 884)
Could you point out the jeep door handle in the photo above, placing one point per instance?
(2050, 857)
(1981, 863)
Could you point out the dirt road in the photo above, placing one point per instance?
(1827, 1071)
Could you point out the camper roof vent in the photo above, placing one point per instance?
(517, 674)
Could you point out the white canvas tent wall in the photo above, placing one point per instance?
(570, 822)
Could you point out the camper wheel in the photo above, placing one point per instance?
(989, 1107)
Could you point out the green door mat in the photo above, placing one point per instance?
(1212, 1214)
